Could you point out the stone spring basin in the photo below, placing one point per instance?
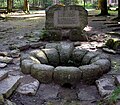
(64, 64)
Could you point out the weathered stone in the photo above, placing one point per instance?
(8, 85)
(29, 89)
(40, 55)
(15, 53)
(117, 80)
(6, 59)
(3, 74)
(3, 53)
(2, 65)
(88, 93)
(100, 56)
(1, 99)
(109, 50)
(77, 56)
(52, 55)
(36, 45)
(52, 45)
(90, 73)
(8, 102)
(88, 57)
(64, 75)
(65, 51)
(48, 91)
(105, 86)
(42, 72)
(26, 66)
(104, 64)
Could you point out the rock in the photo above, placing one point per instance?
(15, 53)
(48, 91)
(1, 99)
(104, 64)
(40, 55)
(2, 65)
(77, 56)
(90, 73)
(52, 55)
(105, 86)
(65, 51)
(88, 57)
(117, 80)
(3, 53)
(26, 66)
(77, 44)
(29, 89)
(6, 59)
(52, 45)
(88, 93)
(42, 72)
(8, 85)
(7, 102)
(71, 75)
(36, 45)
(109, 50)
(3, 74)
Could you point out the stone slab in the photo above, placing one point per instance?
(3, 74)
(2, 65)
(8, 85)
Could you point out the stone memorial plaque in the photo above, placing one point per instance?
(66, 18)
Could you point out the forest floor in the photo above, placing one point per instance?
(19, 29)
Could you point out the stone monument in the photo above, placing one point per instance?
(66, 22)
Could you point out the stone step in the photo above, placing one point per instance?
(8, 85)
(3, 74)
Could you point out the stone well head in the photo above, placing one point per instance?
(63, 64)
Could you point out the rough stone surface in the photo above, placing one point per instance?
(29, 89)
(40, 55)
(2, 65)
(109, 50)
(48, 91)
(117, 80)
(6, 59)
(104, 64)
(105, 86)
(8, 102)
(90, 73)
(8, 85)
(26, 66)
(3, 74)
(64, 75)
(52, 55)
(78, 55)
(42, 72)
(1, 99)
(15, 53)
(88, 93)
(65, 51)
(52, 45)
(88, 57)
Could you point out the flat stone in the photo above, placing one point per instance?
(8, 85)
(88, 93)
(8, 102)
(48, 91)
(109, 50)
(2, 65)
(65, 50)
(52, 55)
(104, 64)
(52, 45)
(29, 89)
(40, 55)
(3, 74)
(42, 72)
(36, 45)
(6, 59)
(26, 66)
(77, 56)
(63, 74)
(3, 53)
(105, 86)
(90, 73)
(15, 53)
(88, 57)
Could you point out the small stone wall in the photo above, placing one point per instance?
(62, 63)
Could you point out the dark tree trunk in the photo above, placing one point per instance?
(26, 6)
(103, 7)
(9, 5)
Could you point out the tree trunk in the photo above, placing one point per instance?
(103, 6)
(119, 9)
(9, 5)
(26, 6)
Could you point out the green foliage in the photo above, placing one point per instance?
(44, 35)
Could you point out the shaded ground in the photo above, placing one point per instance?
(12, 32)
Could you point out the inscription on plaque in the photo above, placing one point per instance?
(66, 18)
